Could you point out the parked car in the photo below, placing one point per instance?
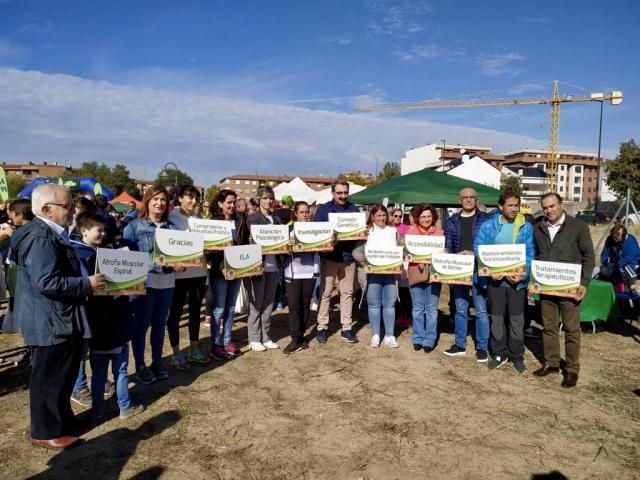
(593, 217)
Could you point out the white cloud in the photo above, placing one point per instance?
(431, 51)
(497, 64)
(10, 53)
(397, 19)
(343, 39)
(527, 88)
(70, 119)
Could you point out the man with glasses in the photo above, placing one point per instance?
(337, 265)
(51, 293)
(460, 232)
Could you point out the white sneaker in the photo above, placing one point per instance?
(257, 347)
(270, 345)
(391, 341)
(375, 341)
(314, 306)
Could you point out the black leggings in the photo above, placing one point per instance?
(299, 292)
(195, 288)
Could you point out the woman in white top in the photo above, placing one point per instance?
(382, 289)
(192, 282)
(299, 272)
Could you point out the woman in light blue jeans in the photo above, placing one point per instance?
(424, 295)
(382, 289)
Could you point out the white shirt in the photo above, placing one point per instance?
(54, 226)
(554, 228)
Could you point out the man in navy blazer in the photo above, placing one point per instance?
(51, 295)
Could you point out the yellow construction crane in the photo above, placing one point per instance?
(615, 97)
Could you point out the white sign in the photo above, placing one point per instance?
(502, 259)
(217, 233)
(272, 238)
(452, 268)
(555, 278)
(312, 236)
(383, 259)
(242, 261)
(420, 248)
(126, 271)
(177, 248)
(349, 226)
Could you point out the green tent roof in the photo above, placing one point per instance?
(424, 186)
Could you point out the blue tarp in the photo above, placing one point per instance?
(75, 184)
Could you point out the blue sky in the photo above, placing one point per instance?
(223, 87)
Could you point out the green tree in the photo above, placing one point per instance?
(357, 179)
(15, 183)
(120, 181)
(389, 170)
(624, 171)
(211, 192)
(100, 171)
(512, 184)
(168, 177)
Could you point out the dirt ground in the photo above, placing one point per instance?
(351, 412)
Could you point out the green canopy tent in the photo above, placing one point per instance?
(424, 186)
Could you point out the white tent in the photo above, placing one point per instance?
(297, 189)
(324, 196)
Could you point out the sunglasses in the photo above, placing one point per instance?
(397, 216)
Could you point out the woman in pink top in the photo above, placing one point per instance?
(396, 221)
(424, 295)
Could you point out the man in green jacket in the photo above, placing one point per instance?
(562, 238)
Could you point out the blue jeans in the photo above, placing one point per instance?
(119, 366)
(381, 292)
(316, 291)
(151, 310)
(424, 298)
(81, 381)
(225, 293)
(461, 298)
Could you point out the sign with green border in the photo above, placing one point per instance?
(242, 261)
(349, 226)
(420, 248)
(4, 186)
(274, 239)
(312, 237)
(126, 271)
(383, 259)
(452, 268)
(555, 278)
(504, 259)
(218, 234)
(177, 248)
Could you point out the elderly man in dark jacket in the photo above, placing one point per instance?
(562, 238)
(51, 294)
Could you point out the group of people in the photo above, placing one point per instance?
(57, 311)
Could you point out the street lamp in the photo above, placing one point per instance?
(175, 168)
(599, 159)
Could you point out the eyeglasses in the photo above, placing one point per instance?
(66, 206)
(397, 216)
(469, 197)
(266, 198)
(341, 193)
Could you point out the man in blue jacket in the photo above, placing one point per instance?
(337, 264)
(51, 295)
(507, 293)
(460, 231)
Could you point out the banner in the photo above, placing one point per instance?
(274, 239)
(555, 278)
(349, 226)
(312, 237)
(4, 186)
(217, 233)
(242, 261)
(452, 268)
(177, 248)
(420, 248)
(126, 271)
(502, 259)
(382, 259)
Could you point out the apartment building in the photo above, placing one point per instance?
(246, 185)
(32, 170)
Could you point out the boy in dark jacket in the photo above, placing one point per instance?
(109, 319)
